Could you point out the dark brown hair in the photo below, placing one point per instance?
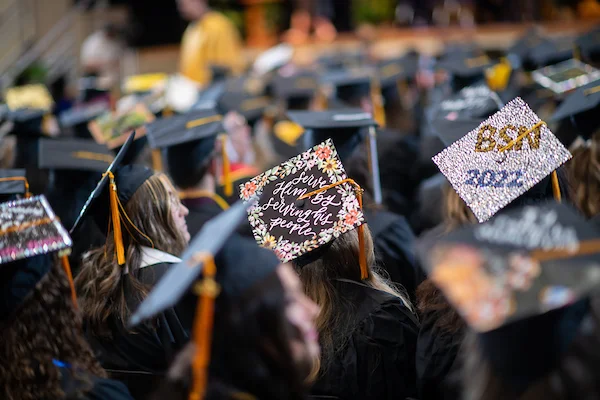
(584, 176)
(101, 282)
(45, 327)
(339, 260)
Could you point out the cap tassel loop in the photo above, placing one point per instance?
(116, 219)
(207, 291)
(64, 259)
(227, 183)
(362, 254)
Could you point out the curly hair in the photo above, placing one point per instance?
(101, 284)
(584, 176)
(45, 327)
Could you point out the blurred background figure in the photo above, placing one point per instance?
(101, 54)
(210, 40)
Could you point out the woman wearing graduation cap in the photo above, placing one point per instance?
(310, 213)
(43, 353)
(146, 228)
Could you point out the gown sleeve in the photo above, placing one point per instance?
(108, 389)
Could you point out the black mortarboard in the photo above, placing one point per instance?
(522, 47)
(466, 69)
(342, 59)
(350, 85)
(12, 183)
(188, 143)
(549, 52)
(581, 107)
(209, 97)
(296, 90)
(589, 45)
(73, 154)
(293, 226)
(94, 197)
(30, 230)
(219, 72)
(234, 278)
(78, 117)
(519, 280)
(91, 88)
(250, 106)
(391, 71)
(346, 127)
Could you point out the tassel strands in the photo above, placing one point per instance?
(116, 219)
(207, 291)
(64, 259)
(362, 256)
(227, 183)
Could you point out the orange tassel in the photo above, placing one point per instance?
(556, 187)
(207, 291)
(321, 102)
(157, 163)
(116, 220)
(67, 267)
(227, 184)
(19, 178)
(362, 255)
(377, 102)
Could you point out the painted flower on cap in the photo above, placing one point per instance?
(323, 152)
(248, 190)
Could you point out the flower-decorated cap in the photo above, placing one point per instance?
(73, 154)
(519, 281)
(29, 229)
(305, 203)
(501, 159)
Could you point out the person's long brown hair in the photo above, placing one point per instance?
(45, 327)
(340, 261)
(456, 211)
(584, 176)
(101, 283)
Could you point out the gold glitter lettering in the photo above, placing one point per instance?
(489, 141)
(505, 136)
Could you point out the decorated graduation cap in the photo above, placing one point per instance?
(305, 203)
(13, 183)
(519, 280)
(565, 76)
(35, 97)
(114, 128)
(199, 273)
(78, 117)
(581, 108)
(462, 112)
(143, 83)
(501, 159)
(188, 144)
(30, 231)
(29, 108)
(347, 128)
(73, 154)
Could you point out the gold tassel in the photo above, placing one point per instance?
(207, 291)
(556, 187)
(362, 255)
(321, 103)
(116, 219)
(67, 267)
(157, 163)
(377, 102)
(19, 178)
(227, 184)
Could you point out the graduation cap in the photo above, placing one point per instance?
(581, 107)
(13, 183)
(305, 203)
(501, 159)
(350, 85)
(250, 106)
(219, 72)
(347, 128)
(29, 108)
(296, 90)
(467, 68)
(209, 96)
(522, 47)
(565, 76)
(143, 83)
(197, 272)
(78, 117)
(29, 231)
(93, 88)
(34, 97)
(589, 44)
(113, 129)
(519, 280)
(391, 71)
(73, 154)
(549, 52)
(188, 143)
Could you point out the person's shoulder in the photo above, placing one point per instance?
(105, 389)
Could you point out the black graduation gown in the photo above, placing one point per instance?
(202, 209)
(393, 240)
(378, 360)
(102, 389)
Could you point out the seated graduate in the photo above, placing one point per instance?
(261, 342)
(392, 236)
(533, 323)
(488, 173)
(190, 146)
(43, 352)
(310, 213)
(146, 230)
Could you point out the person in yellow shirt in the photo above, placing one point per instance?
(210, 40)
